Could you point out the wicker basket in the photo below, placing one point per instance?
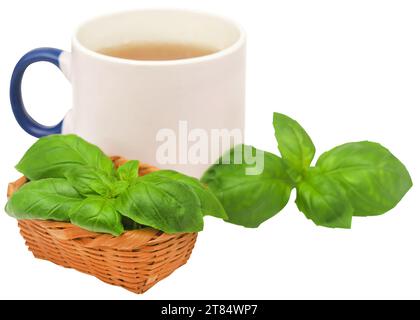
(136, 260)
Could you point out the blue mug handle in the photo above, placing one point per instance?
(22, 116)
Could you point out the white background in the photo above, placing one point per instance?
(347, 70)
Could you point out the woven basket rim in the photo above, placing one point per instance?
(129, 240)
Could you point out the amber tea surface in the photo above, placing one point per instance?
(156, 51)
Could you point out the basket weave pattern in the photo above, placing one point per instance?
(136, 260)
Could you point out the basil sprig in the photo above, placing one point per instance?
(354, 179)
(72, 180)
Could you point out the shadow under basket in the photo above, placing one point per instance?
(135, 260)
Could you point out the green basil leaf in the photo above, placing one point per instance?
(52, 156)
(129, 171)
(374, 179)
(90, 181)
(249, 200)
(324, 201)
(294, 144)
(48, 199)
(119, 187)
(161, 203)
(98, 215)
(210, 205)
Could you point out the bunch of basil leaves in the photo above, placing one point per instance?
(73, 180)
(353, 179)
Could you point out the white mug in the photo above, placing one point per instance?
(126, 106)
